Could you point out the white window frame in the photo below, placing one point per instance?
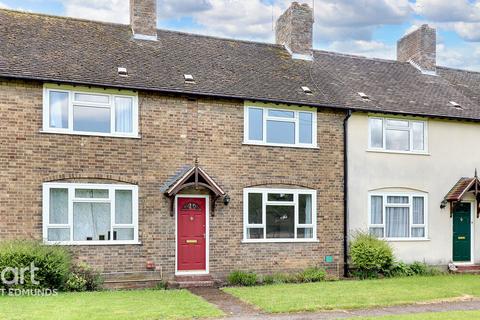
(295, 120)
(71, 199)
(71, 91)
(265, 202)
(409, 129)
(410, 196)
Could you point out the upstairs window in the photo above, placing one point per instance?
(279, 215)
(90, 213)
(90, 112)
(398, 135)
(280, 127)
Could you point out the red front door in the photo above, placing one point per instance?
(191, 234)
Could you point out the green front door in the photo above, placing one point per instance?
(461, 232)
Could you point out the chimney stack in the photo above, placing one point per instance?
(420, 49)
(143, 19)
(294, 30)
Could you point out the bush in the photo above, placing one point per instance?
(415, 269)
(53, 263)
(278, 278)
(313, 274)
(400, 270)
(76, 283)
(370, 256)
(240, 278)
(92, 278)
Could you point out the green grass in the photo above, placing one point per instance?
(357, 294)
(108, 305)
(453, 315)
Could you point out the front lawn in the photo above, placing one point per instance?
(357, 294)
(453, 315)
(108, 305)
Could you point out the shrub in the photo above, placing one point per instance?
(240, 278)
(370, 256)
(76, 283)
(161, 285)
(400, 270)
(278, 278)
(92, 278)
(313, 274)
(53, 263)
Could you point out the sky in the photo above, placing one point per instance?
(362, 27)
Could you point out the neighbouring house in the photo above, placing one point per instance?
(154, 153)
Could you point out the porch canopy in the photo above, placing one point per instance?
(463, 187)
(192, 177)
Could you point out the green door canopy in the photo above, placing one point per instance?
(462, 232)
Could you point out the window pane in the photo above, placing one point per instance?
(58, 109)
(306, 123)
(304, 233)
(91, 193)
(58, 234)
(418, 232)
(123, 114)
(123, 207)
(255, 124)
(280, 197)
(255, 233)
(304, 208)
(281, 114)
(91, 221)
(58, 206)
(123, 234)
(280, 222)
(398, 140)
(397, 222)
(377, 232)
(418, 136)
(91, 119)
(280, 132)
(95, 98)
(397, 123)
(254, 208)
(376, 210)
(418, 208)
(376, 133)
(397, 200)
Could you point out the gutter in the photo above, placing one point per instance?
(345, 193)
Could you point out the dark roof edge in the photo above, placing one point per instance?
(237, 97)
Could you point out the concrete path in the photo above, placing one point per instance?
(236, 309)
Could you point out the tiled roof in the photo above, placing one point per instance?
(460, 188)
(47, 48)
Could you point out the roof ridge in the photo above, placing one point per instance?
(349, 55)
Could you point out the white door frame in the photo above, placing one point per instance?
(207, 235)
(472, 234)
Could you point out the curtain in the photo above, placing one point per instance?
(58, 206)
(418, 215)
(397, 200)
(123, 207)
(305, 209)
(123, 114)
(397, 223)
(58, 109)
(91, 220)
(376, 210)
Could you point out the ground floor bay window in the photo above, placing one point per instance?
(90, 213)
(279, 215)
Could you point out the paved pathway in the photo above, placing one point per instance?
(236, 309)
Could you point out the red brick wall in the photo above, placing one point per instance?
(173, 132)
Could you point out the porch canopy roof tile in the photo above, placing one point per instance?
(463, 186)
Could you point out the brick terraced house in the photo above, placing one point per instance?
(158, 154)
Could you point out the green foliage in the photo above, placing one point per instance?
(92, 278)
(161, 285)
(278, 278)
(240, 278)
(370, 256)
(313, 274)
(53, 263)
(401, 269)
(76, 283)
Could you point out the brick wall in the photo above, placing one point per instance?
(294, 29)
(174, 130)
(143, 17)
(419, 46)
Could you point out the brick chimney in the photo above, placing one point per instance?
(420, 49)
(294, 30)
(143, 19)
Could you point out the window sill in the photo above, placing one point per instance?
(407, 240)
(399, 152)
(91, 134)
(281, 241)
(93, 243)
(279, 145)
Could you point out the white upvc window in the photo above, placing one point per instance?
(90, 214)
(83, 111)
(398, 216)
(398, 135)
(289, 127)
(279, 215)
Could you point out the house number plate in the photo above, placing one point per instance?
(192, 241)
